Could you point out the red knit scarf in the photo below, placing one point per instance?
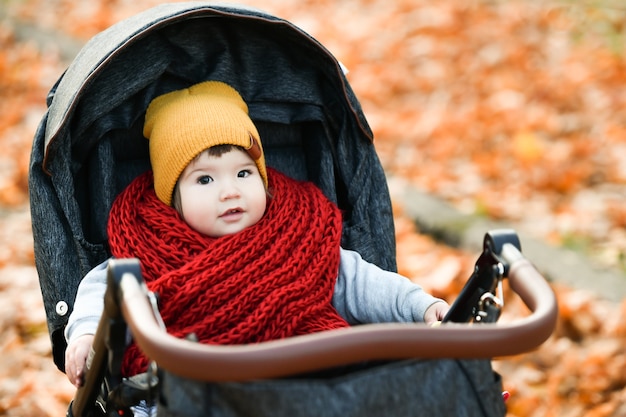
(272, 280)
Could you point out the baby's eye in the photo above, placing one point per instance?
(244, 173)
(204, 179)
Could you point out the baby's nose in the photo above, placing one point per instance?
(230, 191)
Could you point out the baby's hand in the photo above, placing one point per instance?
(436, 312)
(76, 358)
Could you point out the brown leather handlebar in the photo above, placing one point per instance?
(344, 346)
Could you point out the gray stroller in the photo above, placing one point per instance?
(89, 147)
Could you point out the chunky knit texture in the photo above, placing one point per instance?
(270, 281)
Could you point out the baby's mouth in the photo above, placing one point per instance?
(232, 212)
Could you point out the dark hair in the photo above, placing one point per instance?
(219, 150)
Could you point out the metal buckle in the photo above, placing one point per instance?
(490, 305)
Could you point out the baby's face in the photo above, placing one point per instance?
(222, 195)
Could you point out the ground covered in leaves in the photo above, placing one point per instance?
(515, 110)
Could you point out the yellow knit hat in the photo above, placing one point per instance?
(183, 123)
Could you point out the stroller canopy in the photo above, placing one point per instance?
(89, 145)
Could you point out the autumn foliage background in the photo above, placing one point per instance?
(512, 110)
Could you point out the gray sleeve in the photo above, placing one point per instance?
(365, 293)
(89, 303)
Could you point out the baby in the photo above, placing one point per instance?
(237, 252)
